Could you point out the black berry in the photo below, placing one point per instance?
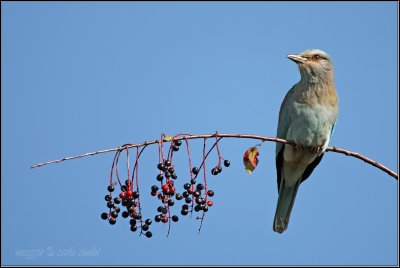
(148, 222)
(184, 212)
(133, 228)
(145, 227)
(167, 163)
(157, 218)
(210, 193)
(112, 221)
(132, 222)
(125, 214)
(178, 143)
(110, 188)
(160, 166)
(154, 188)
(195, 170)
(107, 197)
(227, 163)
(171, 202)
(148, 234)
(175, 148)
(175, 218)
(160, 177)
(117, 200)
(199, 186)
(186, 186)
(114, 214)
(178, 196)
(104, 216)
(110, 204)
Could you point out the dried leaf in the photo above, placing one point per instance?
(167, 138)
(250, 159)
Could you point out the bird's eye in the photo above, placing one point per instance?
(316, 57)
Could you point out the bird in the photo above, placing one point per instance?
(307, 118)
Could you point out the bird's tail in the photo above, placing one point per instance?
(287, 195)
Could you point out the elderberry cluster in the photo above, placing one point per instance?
(128, 199)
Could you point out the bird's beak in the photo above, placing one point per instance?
(297, 58)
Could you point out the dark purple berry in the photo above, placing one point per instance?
(199, 186)
(184, 212)
(117, 209)
(125, 214)
(188, 200)
(110, 204)
(186, 186)
(148, 222)
(196, 193)
(114, 214)
(197, 208)
(112, 221)
(178, 143)
(135, 195)
(193, 181)
(110, 188)
(157, 218)
(178, 196)
(174, 176)
(132, 222)
(167, 163)
(104, 216)
(145, 227)
(160, 177)
(185, 194)
(185, 206)
(195, 170)
(214, 171)
(175, 218)
(160, 166)
(175, 148)
(133, 228)
(227, 163)
(171, 202)
(154, 188)
(108, 197)
(210, 193)
(117, 200)
(148, 234)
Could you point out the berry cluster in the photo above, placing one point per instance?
(130, 200)
(195, 195)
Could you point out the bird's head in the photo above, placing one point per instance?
(315, 65)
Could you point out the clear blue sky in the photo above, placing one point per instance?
(80, 77)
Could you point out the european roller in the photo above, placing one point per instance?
(307, 117)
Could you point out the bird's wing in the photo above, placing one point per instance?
(283, 127)
(284, 120)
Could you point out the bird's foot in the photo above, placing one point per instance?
(316, 149)
(298, 147)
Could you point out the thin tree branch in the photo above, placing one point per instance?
(244, 136)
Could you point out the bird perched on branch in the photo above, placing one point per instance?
(307, 117)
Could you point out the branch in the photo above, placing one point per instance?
(244, 136)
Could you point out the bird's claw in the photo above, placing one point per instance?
(316, 149)
(298, 147)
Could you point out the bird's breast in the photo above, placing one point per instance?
(311, 125)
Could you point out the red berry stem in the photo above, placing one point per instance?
(219, 153)
(189, 157)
